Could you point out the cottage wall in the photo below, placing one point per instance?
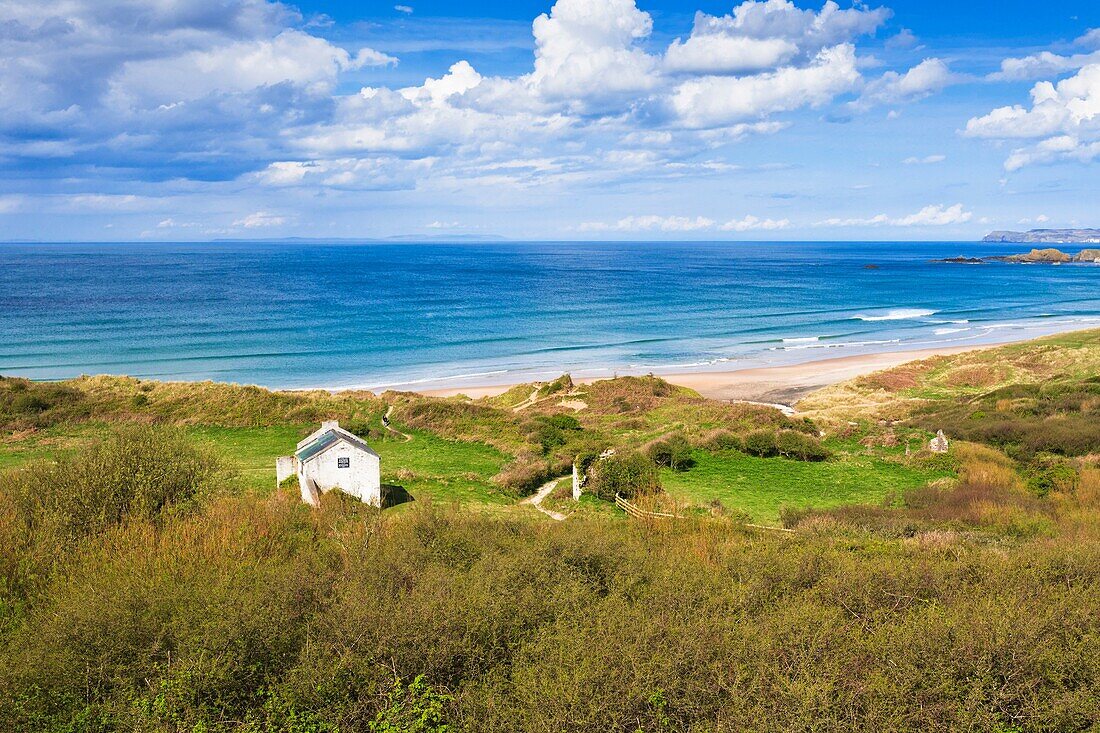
(362, 477)
(285, 467)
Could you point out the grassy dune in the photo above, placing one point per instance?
(487, 452)
(900, 392)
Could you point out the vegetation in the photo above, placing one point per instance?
(260, 614)
(761, 487)
(154, 579)
(628, 475)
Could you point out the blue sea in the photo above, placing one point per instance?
(410, 316)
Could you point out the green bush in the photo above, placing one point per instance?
(564, 383)
(800, 446)
(551, 432)
(719, 440)
(672, 450)
(140, 472)
(259, 615)
(563, 421)
(793, 444)
(1047, 473)
(412, 708)
(625, 474)
(761, 443)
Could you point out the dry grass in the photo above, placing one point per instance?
(976, 375)
(902, 377)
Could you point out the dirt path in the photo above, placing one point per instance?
(394, 430)
(536, 498)
(527, 402)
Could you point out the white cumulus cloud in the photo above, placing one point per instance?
(927, 77)
(196, 94)
(1063, 122)
(717, 101)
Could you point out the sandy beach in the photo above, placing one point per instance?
(782, 385)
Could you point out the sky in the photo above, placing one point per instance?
(193, 120)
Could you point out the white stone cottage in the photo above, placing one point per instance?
(333, 459)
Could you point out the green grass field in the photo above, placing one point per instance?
(443, 470)
(427, 466)
(761, 486)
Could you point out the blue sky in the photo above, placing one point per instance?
(576, 119)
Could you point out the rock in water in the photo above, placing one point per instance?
(1041, 255)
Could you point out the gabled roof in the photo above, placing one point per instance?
(329, 438)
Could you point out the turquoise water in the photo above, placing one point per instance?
(416, 315)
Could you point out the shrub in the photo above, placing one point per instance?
(1047, 473)
(626, 474)
(721, 439)
(672, 450)
(32, 404)
(412, 708)
(563, 421)
(552, 431)
(761, 443)
(800, 446)
(258, 615)
(139, 472)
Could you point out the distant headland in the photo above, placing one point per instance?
(1047, 236)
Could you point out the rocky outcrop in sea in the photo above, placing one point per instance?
(1047, 256)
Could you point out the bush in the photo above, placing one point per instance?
(761, 443)
(800, 446)
(415, 708)
(672, 450)
(1047, 473)
(721, 439)
(258, 615)
(32, 404)
(563, 421)
(626, 474)
(139, 472)
(552, 431)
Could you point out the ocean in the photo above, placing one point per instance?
(408, 316)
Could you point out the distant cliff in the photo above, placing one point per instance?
(1047, 236)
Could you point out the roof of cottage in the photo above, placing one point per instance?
(329, 438)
